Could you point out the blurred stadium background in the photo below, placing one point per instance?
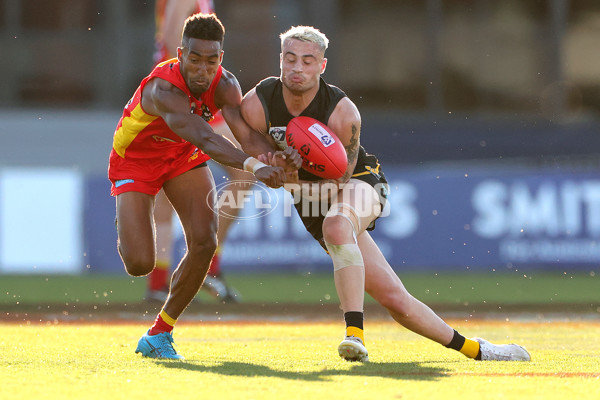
(484, 114)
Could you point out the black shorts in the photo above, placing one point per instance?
(367, 170)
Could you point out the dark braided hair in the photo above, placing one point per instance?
(203, 26)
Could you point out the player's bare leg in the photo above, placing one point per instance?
(188, 193)
(158, 280)
(349, 283)
(349, 279)
(349, 215)
(382, 283)
(135, 227)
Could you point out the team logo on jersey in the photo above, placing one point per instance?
(194, 155)
(162, 139)
(373, 171)
(278, 133)
(204, 111)
(206, 114)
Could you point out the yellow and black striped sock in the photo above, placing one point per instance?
(468, 347)
(354, 324)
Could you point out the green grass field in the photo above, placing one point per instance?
(294, 361)
(273, 358)
(439, 288)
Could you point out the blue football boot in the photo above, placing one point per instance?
(158, 346)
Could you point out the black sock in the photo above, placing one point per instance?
(354, 318)
(354, 324)
(468, 347)
(457, 341)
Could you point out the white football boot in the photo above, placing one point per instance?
(502, 352)
(353, 349)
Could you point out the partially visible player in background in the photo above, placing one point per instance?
(170, 16)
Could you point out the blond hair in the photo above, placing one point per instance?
(306, 34)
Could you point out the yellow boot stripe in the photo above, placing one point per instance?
(356, 332)
(165, 317)
(470, 348)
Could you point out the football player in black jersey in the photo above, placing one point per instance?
(352, 209)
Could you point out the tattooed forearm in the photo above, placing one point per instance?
(352, 151)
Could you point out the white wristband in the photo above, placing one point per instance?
(251, 164)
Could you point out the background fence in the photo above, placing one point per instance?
(484, 115)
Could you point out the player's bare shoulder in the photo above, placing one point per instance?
(157, 93)
(228, 90)
(228, 78)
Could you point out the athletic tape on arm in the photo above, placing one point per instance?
(251, 164)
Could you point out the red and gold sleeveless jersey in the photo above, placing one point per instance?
(144, 138)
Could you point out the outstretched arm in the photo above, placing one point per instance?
(253, 115)
(162, 98)
(229, 99)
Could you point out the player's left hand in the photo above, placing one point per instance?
(292, 158)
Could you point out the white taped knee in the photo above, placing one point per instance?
(348, 212)
(345, 255)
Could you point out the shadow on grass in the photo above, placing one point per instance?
(404, 371)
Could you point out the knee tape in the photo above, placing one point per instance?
(345, 255)
(348, 212)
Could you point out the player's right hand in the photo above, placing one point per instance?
(290, 164)
(289, 159)
(273, 177)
